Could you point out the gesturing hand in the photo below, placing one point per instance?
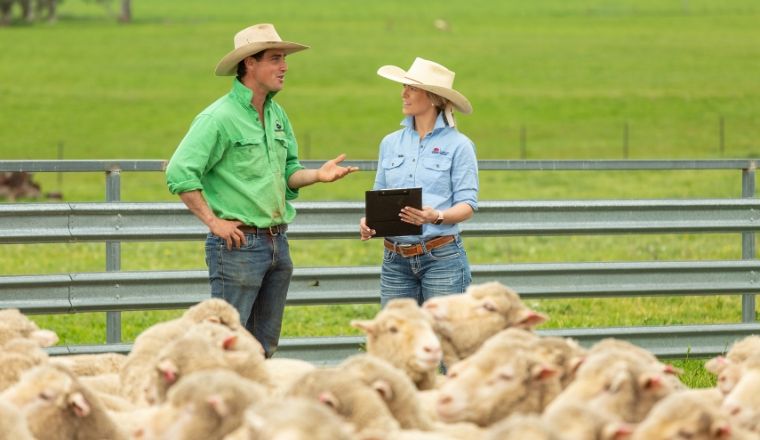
(330, 171)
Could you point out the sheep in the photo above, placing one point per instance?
(346, 394)
(204, 405)
(728, 368)
(494, 383)
(580, 421)
(140, 361)
(57, 406)
(563, 353)
(618, 381)
(395, 388)
(18, 356)
(93, 364)
(291, 418)
(13, 324)
(687, 414)
(743, 401)
(464, 321)
(524, 426)
(13, 424)
(403, 335)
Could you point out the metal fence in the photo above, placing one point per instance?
(114, 290)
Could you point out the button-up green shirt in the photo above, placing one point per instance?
(241, 166)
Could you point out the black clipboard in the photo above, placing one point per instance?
(381, 209)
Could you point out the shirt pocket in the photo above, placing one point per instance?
(249, 157)
(437, 175)
(394, 172)
(281, 147)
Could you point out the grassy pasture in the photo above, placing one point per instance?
(568, 77)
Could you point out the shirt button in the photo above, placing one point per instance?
(410, 175)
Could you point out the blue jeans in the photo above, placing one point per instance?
(254, 279)
(440, 271)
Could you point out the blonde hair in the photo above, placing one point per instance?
(438, 101)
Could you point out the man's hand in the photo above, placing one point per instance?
(228, 231)
(330, 171)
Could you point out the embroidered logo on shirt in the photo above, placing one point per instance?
(277, 126)
(437, 150)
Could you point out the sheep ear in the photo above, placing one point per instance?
(229, 342)
(168, 370)
(528, 319)
(79, 404)
(671, 369)
(716, 364)
(650, 381)
(384, 389)
(329, 399)
(366, 326)
(216, 403)
(617, 431)
(542, 372)
(721, 430)
(46, 338)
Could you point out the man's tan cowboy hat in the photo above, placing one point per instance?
(252, 40)
(430, 76)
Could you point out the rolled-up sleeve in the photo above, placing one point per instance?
(464, 176)
(198, 151)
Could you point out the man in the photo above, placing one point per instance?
(236, 169)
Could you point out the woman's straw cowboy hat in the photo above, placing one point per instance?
(252, 40)
(430, 76)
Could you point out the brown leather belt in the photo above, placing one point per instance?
(412, 250)
(272, 230)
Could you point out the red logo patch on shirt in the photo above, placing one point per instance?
(436, 150)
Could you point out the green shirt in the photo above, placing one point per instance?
(241, 166)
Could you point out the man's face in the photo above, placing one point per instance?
(268, 73)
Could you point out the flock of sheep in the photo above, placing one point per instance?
(203, 376)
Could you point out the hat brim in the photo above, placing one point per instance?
(228, 64)
(397, 74)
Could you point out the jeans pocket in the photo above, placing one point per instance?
(388, 256)
(445, 252)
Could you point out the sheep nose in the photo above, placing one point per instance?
(445, 399)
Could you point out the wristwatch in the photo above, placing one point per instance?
(439, 220)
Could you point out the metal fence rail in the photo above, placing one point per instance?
(115, 290)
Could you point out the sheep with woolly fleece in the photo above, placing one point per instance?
(18, 356)
(13, 424)
(617, 381)
(140, 361)
(57, 406)
(563, 353)
(688, 414)
(743, 401)
(93, 364)
(728, 368)
(291, 418)
(494, 383)
(577, 420)
(204, 405)
(464, 321)
(524, 426)
(349, 397)
(403, 335)
(14, 324)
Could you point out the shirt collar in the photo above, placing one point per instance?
(440, 123)
(243, 94)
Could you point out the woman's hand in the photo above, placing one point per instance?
(364, 230)
(418, 217)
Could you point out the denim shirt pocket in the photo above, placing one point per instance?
(437, 176)
(249, 157)
(392, 168)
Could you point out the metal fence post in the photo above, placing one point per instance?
(113, 255)
(748, 241)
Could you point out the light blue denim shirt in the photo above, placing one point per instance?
(443, 163)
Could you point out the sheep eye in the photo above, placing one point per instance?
(490, 307)
(685, 434)
(46, 395)
(505, 376)
(393, 329)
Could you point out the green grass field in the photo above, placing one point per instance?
(571, 75)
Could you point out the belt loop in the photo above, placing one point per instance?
(274, 230)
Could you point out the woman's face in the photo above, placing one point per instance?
(415, 102)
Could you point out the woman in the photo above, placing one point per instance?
(427, 152)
